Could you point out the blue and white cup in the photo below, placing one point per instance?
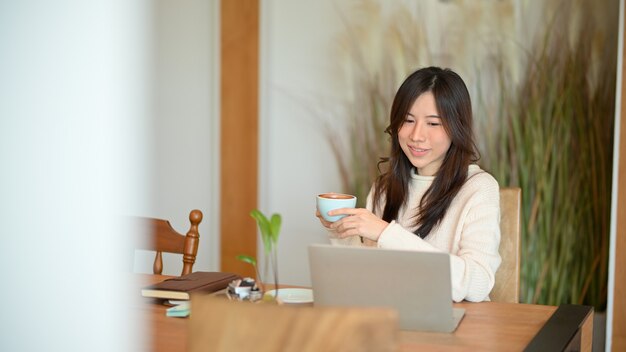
(331, 201)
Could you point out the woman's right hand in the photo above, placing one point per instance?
(325, 223)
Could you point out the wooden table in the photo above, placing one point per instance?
(487, 326)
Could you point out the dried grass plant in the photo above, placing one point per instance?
(554, 139)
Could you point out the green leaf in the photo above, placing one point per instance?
(264, 227)
(247, 259)
(261, 220)
(275, 223)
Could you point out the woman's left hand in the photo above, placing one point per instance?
(359, 222)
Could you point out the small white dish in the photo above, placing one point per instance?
(293, 295)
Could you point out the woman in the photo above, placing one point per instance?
(433, 197)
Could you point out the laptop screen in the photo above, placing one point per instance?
(416, 284)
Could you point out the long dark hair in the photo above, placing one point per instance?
(455, 109)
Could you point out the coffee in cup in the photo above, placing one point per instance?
(330, 201)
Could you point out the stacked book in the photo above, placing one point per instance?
(181, 288)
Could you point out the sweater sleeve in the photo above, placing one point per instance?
(474, 265)
(394, 236)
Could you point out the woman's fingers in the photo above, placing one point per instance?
(345, 211)
(359, 222)
(322, 220)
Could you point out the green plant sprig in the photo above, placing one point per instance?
(270, 231)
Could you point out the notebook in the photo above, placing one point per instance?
(416, 284)
(181, 287)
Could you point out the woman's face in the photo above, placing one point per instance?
(422, 136)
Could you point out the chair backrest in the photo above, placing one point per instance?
(507, 286)
(159, 236)
(217, 324)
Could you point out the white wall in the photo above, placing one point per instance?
(295, 161)
(185, 146)
(72, 117)
(90, 93)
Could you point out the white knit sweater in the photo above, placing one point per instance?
(470, 232)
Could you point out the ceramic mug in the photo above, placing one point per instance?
(330, 201)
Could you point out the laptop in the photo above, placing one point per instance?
(416, 284)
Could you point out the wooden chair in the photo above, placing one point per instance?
(506, 288)
(217, 324)
(158, 235)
